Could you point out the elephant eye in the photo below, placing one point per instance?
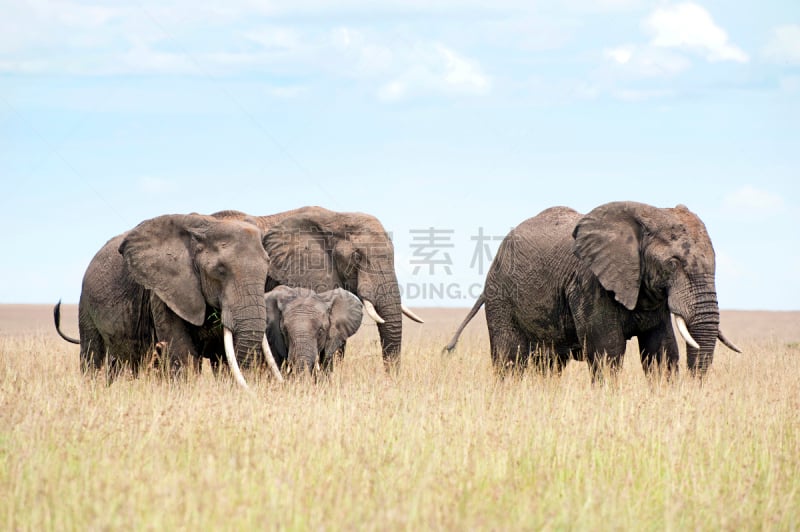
(673, 263)
(221, 270)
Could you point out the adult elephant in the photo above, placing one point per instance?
(306, 329)
(318, 249)
(165, 284)
(567, 284)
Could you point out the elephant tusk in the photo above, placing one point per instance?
(728, 343)
(372, 313)
(681, 323)
(407, 312)
(273, 366)
(231, 357)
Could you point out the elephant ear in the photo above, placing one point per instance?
(300, 254)
(345, 310)
(157, 253)
(608, 240)
(275, 301)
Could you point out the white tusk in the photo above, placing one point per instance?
(273, 366)
(372, 313)
(231, 357)
(407, 312)
(679, 321)
(724, 340)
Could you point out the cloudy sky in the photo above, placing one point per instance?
(453, 120)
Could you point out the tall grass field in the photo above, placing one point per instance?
(444, 445)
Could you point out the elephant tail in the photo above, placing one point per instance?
(57, 320)
(475, 308)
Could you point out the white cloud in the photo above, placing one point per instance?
(641, 95)
(275, 38)
(784, 45)
(621, 54)
(360, 54)
(393, 91)
(751, 200)
(690, 27)
(434, 68)
(460, 73)
(646, 61)
(150, 39)
(676, 32)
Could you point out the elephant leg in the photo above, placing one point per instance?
(214, 362)
(659, 349)
(509, 345)
(135, 366)
(327, 362)
(93, 354)
(557, 362)
(604, 352)
(547, 360)
(114, 367)
(598, 326)
(172, 329)
(93, 346)
(510, 350)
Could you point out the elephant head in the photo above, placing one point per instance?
(649, 257)
(191, 261)
(321, 250)
(306, 328)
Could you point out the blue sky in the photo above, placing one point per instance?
(460, 116)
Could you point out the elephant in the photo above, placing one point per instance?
(168, 285)
(319, 249)
(306, 329)
(567, 285)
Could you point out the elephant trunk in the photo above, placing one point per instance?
(704, 328)
(699, 359)
(383, 292)
(698, 307)
(248, 345)
(303, 354)
(391, 332)
(248, 322)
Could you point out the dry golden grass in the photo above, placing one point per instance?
(445, 445)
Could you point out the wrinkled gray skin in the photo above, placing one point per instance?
(318, 249)
(305, 328)
(171, 282)
(564, 284)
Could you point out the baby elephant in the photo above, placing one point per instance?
(305, 328)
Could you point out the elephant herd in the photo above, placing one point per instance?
(287, 290)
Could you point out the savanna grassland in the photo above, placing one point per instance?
(445, 445)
